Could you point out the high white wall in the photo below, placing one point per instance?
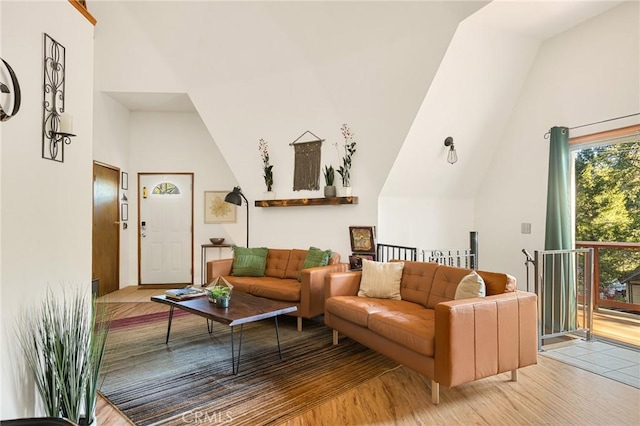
(497, 93)
(46, 206)
(273, 70)
(111, 147)
(178, 142)
(427, 202)
(584, 75)
(426, 222)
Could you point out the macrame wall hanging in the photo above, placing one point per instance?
(306, 170)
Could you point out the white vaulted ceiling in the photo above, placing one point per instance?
(408, 73)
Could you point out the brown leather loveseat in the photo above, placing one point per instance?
(452, 342)
(284, 280)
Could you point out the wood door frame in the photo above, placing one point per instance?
(139, 227)
(93, 206)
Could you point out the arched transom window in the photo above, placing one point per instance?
(166, 188)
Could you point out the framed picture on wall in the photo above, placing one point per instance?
(216, 210)
(362, 239)
(124, 212)
(125, 180)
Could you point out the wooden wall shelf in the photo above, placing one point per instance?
(293, 202)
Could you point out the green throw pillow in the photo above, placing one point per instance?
(249, 262)
(315, 257)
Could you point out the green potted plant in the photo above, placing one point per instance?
(329, 177)
(349, 148)
(220, 294)
(63, 343)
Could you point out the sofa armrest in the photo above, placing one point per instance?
(481, 337)
(342, 284)
(312, 288)
(216, 268)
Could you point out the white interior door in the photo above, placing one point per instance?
(166, 240)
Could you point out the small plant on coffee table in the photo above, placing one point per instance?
(218, 292)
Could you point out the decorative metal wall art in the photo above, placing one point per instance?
(14, 97)
(57, 126)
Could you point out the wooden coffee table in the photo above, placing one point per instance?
(243, 308)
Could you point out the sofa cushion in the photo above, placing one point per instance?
(445, 282)
(471, 285)
(249, 262)
(242, 284)
(277, 260)
(417, 278)
(315, 257)
(413, 329)
(498, 283)
(296, 259)
(381, 279)
(357, 309)
(286, 290)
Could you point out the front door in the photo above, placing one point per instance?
(106, 228)
(165, 228)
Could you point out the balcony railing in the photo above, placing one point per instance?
(612, 261)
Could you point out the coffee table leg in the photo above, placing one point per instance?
(169, 325)
(236, 366)
(278, 336)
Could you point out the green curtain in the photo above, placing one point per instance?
(559, 280)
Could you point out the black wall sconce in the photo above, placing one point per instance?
(57, 125)
(452, 156)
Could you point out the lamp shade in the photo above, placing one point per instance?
(234, 197)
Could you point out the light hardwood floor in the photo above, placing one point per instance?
(550, 392)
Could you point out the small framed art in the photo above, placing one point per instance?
(124, 212)
(216, 210)
(355, 260)
(362, 239)
(125, 180)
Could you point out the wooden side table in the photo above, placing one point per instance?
(203, 259)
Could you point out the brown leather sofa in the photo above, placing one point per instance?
(280, 280)
(452, 342)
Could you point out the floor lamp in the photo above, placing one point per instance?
(236, 197)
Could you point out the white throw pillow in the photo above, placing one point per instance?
(381, 280)
(470, 286)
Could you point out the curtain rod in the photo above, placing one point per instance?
(546, 135)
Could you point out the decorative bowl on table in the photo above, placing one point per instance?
(216, 241)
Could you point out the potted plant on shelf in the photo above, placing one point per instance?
(263, 147)
(329, 177)
(349, 148)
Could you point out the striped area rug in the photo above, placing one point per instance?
(190, 381)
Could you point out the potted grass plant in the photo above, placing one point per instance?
(63, 344)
